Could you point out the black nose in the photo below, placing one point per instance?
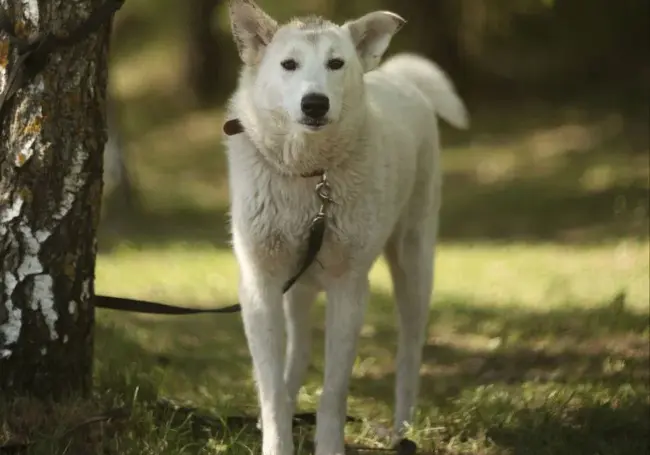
(315, 105)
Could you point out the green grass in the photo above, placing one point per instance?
(533, 349)
(539, 336)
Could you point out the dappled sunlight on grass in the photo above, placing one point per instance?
(563, 331)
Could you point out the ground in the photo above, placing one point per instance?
(539, 336)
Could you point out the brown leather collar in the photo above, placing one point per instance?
(233, 126)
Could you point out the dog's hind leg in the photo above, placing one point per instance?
(298, 302)
(410, 256)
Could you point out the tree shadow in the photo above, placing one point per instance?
(483, 344)
(146, 228)
(152, 367)
(522, 211)
(190, 346)
(592, 351)
(541, 209)
(620, 430)
(506, 345)
(204, 360)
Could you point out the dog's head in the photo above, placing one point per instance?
(309, 71)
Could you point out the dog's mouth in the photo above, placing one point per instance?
(314, 124)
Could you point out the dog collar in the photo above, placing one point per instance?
(232, 127)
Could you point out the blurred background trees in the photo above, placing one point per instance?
(532, 45)
(574, 74)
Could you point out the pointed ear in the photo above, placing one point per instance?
(252, 29)
(371, 35)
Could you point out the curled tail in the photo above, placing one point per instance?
(434, 83)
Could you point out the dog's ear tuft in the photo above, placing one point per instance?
(252, 29)
(371, 35)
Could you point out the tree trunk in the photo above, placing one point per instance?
(203, 52)
(52, 140)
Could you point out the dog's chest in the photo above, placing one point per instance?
(277, 226)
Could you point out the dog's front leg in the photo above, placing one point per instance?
(261, 301)
(346, 303)
(297, 309)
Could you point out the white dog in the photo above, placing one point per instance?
(310, 98)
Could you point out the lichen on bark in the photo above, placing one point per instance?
(53, 134)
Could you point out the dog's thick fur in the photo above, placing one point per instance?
(380, 148)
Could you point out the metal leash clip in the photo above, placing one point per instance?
(316, 231)
(323, 191)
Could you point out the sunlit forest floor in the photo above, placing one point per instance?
(539, 337)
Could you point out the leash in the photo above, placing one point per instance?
(147, 307)
(32, 58)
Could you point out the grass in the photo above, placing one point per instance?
(539, 337)
(533, 349)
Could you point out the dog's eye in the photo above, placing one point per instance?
(335, 64)
(289, 64)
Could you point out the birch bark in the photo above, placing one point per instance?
(51, 144)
